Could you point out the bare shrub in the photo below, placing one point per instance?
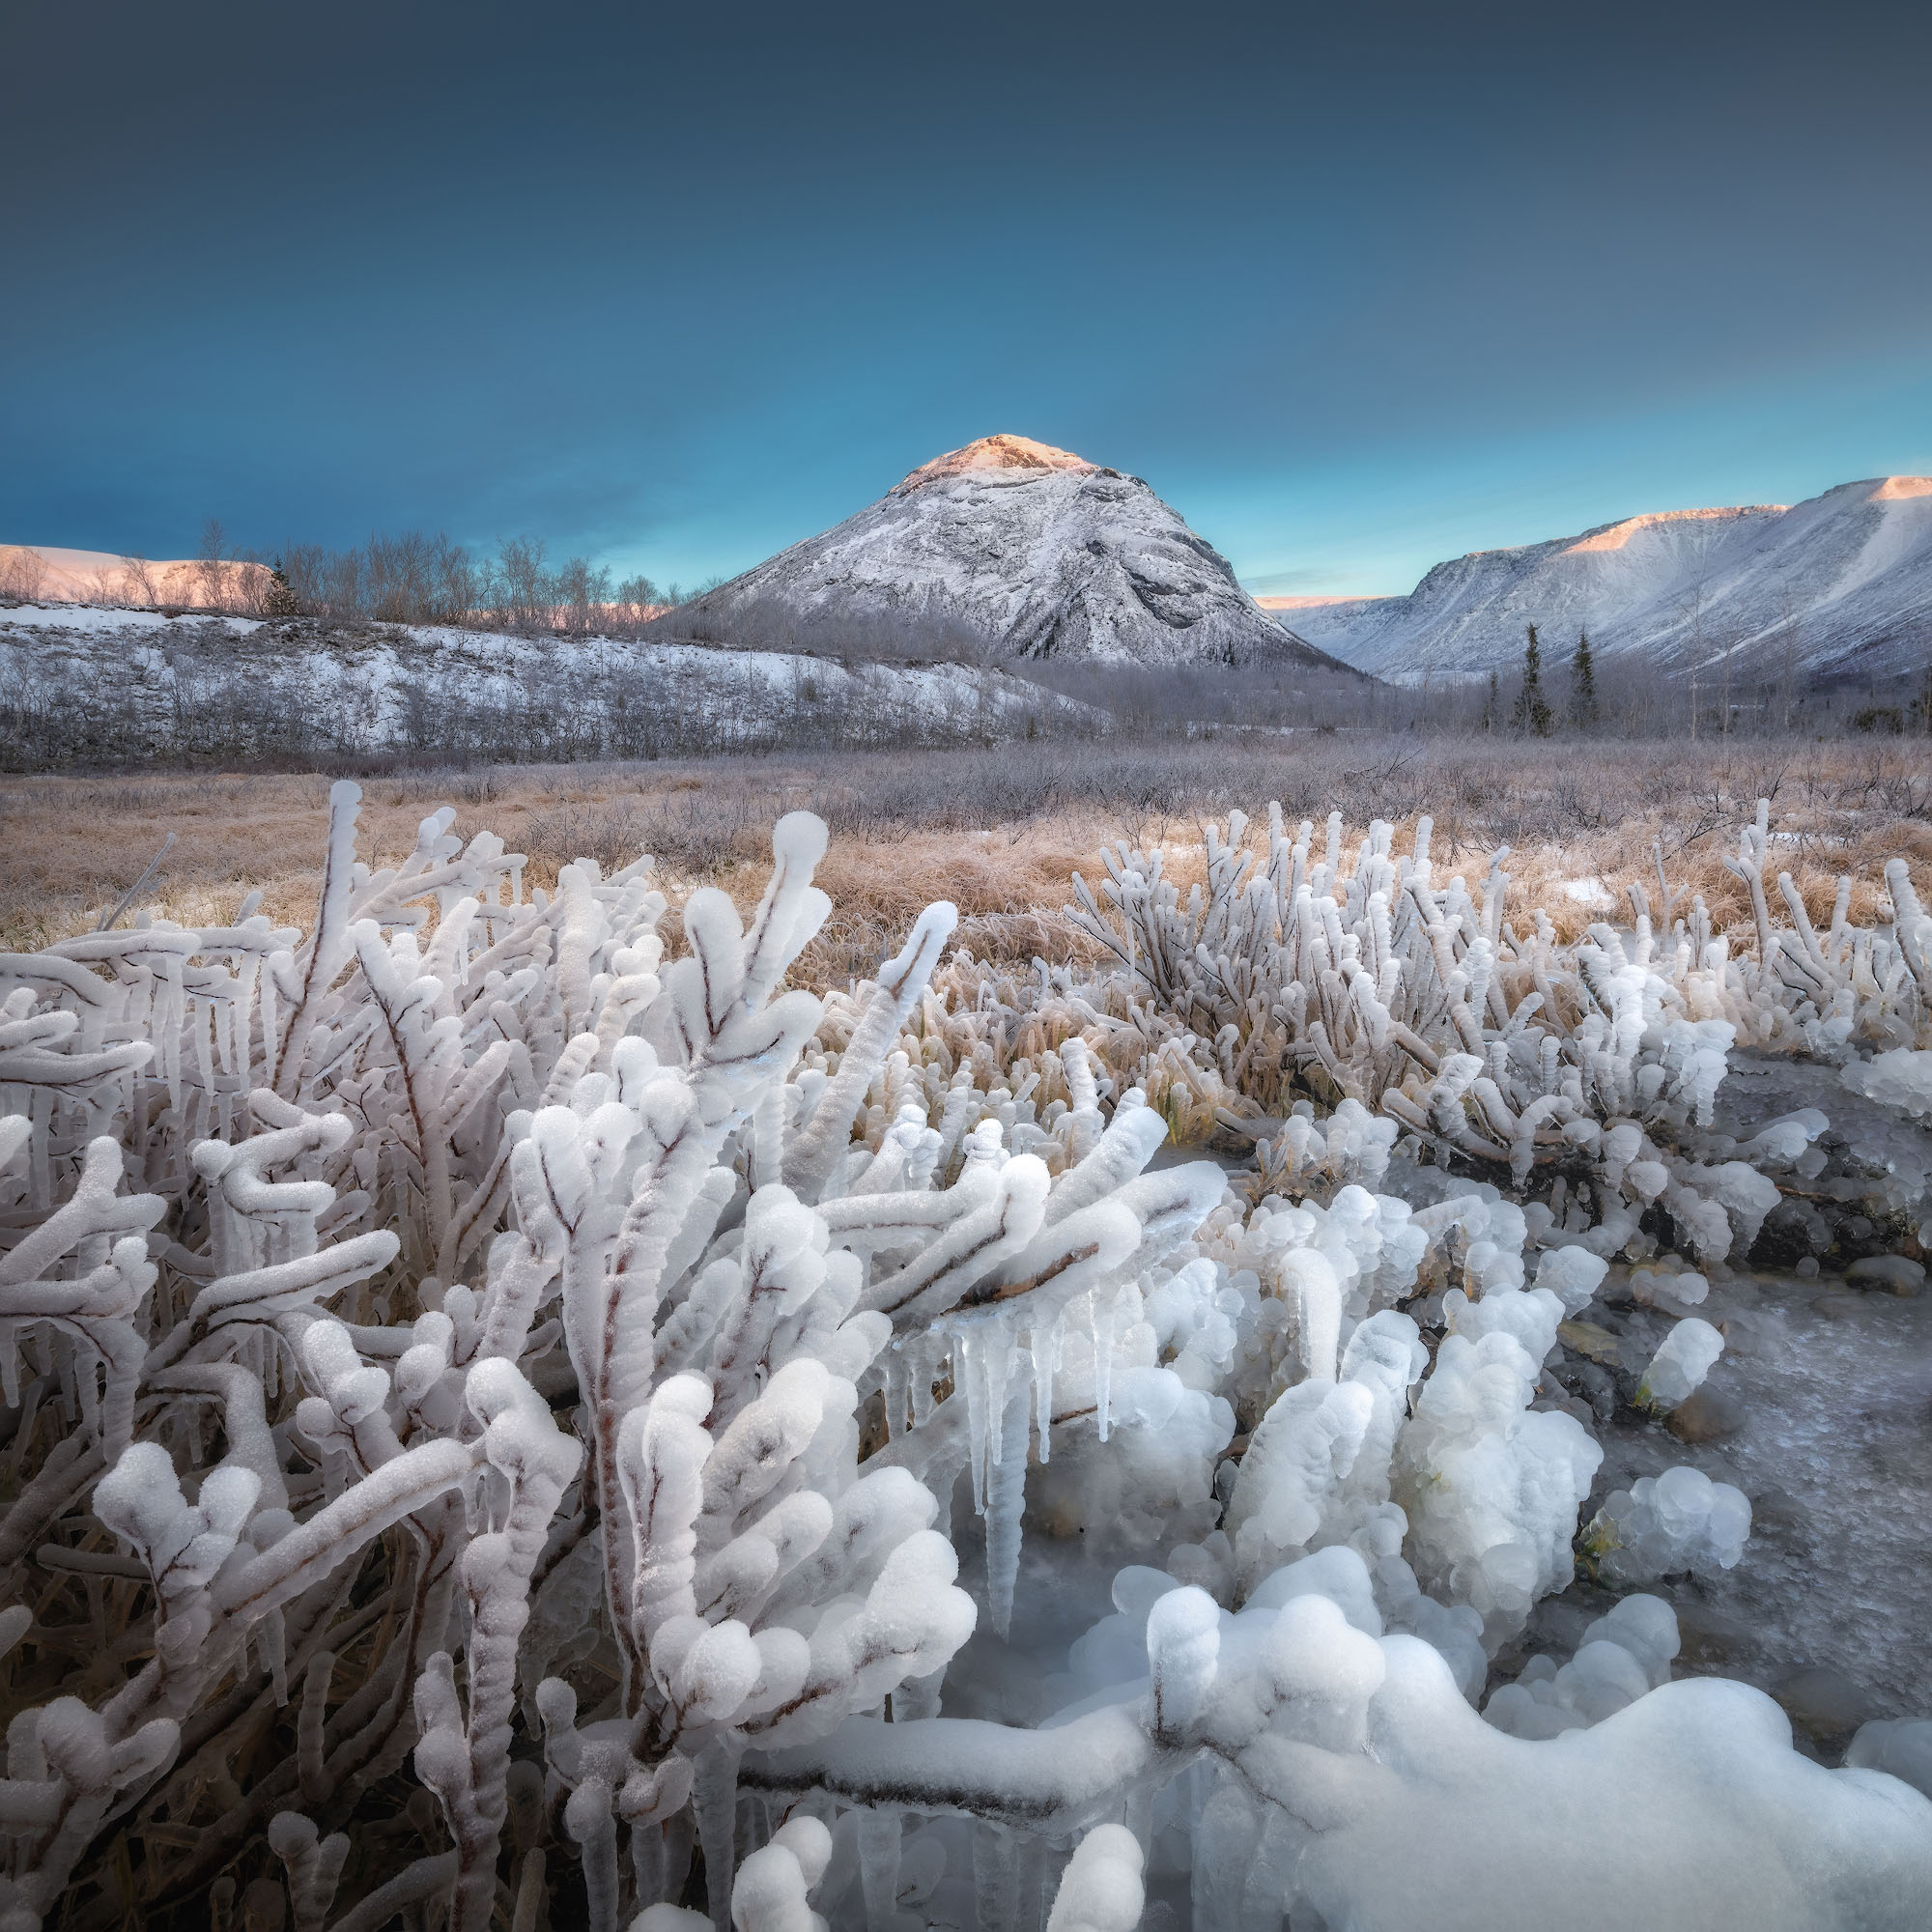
(22, 573)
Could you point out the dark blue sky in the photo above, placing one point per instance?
(1355, 287)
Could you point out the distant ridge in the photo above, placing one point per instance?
(36, 573)
(1846, 576)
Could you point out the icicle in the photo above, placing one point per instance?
(1105, 1303)
(996, 1877)
(879, 1867)
(715, 1799)
(1045, 1359)
(918, 1697)
(925, 1355)
(996, 1364)
(968, 1347)
(896, 1390)
(1006, 1504)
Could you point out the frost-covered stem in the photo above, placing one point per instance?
(410, 1887)
(901, 981)
(401, 1011)
(336, 1531)
(1050, 1781)
(714, 1798)
(586, 1817)
(465, 1757)
(662, 1201)
(313, 1866)
(330, 949)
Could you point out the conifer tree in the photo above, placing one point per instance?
(280, 599)
(1493, 709)
(1532, 709)
(1582, 684)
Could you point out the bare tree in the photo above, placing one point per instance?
(522, 582)
(581, 591)
(137, 581)
(23, 572)
(213, 547)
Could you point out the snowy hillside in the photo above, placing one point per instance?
(1037, 552)
(91, 682)
(1847, 575)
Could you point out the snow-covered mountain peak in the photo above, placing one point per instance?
(998, 459)
(1017, 549)
(1614, 536)
(1840, 585)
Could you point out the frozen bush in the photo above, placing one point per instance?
(515, 1341)
(584, 1267)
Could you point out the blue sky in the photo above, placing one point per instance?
(1355, 289)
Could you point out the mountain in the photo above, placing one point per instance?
(1847, 577)
(97, 577)
(1027, 551)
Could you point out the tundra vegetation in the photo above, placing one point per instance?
(555, 1379)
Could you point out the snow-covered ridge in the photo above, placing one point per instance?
(1842, 580)
(97, 577)
(1614, 536)
(1031, 551)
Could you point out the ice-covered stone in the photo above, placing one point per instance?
(1683, 1359)
(1662, 1525)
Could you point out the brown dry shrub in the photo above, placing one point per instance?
(998, 832)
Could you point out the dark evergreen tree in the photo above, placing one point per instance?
(1532, 709)
(1493, 711)
(279, 600)
(1583, 685)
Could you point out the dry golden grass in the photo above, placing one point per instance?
(903, 832)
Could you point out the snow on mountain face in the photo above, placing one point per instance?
(1040, 552)
(1848, 574)
(53, 576)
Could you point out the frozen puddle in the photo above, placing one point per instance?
(1827, 1608)
(1836, 1456)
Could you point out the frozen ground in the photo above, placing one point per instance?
(1826, 1609)
(1829, 1386)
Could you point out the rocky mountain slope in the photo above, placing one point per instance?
(1845, 578)
(1032, 551)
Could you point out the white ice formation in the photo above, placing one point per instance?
(1665, 1526)
(559, 1372)
(1900, 1078)
(1683, 1359)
